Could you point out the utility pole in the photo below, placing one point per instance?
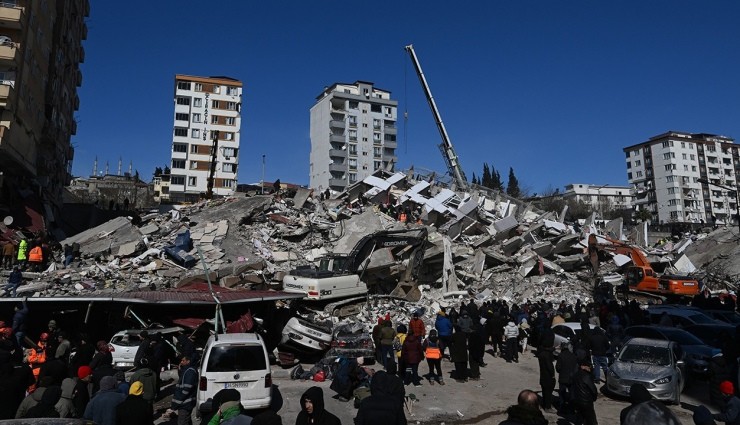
(262, 181)
(729, 189)
(212, 172)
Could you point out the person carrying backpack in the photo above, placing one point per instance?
(433, 353)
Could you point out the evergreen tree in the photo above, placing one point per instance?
(512, 189)
(486, 176)
(157, 171)
(474, 180)
(496, 182)
(166, 170)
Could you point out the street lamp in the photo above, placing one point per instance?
(729, 189)
(262, 182)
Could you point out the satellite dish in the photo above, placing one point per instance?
(8, 220)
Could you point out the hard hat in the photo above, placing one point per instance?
(44, 336)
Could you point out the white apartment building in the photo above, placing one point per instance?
(207, 116)
(601, 198)
(353, 133)
(685, 177)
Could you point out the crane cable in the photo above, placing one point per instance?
(405, 106)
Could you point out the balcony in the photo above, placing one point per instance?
(337, 182)
(337, 124)
(8, 54)
(336, 138)
(390, 145)
(340, 167)
(5, 92)
(11, 16)
(390, 130)
(337, 153)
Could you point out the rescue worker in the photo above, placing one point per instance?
(36, 357)
(36, 258)
(22, 254)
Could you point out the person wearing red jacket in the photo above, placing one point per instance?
(416, 325)
(412, 354)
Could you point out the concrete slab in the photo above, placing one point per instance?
(301, 195)
(505, 224)
(127, 249)
(109, 235)
(283, 256)
(149, 229)
(510, 246)
(208, 238)
(543, 248)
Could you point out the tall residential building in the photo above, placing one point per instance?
(353, 133)
(205, 139)
(685, 177)
(40, 55)
(601, 198)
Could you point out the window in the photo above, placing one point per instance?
(230, 120)
(232, 91)
(693, 168)
(711, 148)
(686, 167)
(179, 180)
(229, 167)
(217, 89)
(229, 152)
(352, 120)
(195, 133)
(376, 138)
(637, 163)
(352, 149)
(668, 167)
(674, 215)
(352, 177)
(389, 137)
(180, 131)
(352, 163)
(179, 147)
(196, 118)
(227, 183)
(377, 165)
(183, 85)
(671, 202)
(192, 181)
(231, 106)
(193, 165)
(683, 156)
(629, 165)
(353, 104)
(215, 104)
(193, 148)
(197, 102)
(364, 125)
(376, 152)
(228, 135)
(353, 135)
(181, 117)
(198, 87)
(671, 190)
(669, 179)
(691, 146)
(375, 108)
(639, 174)
(214, 119)
(668, 143)
(376, 124)
(183, 100)
(629, 176)
(178, 163)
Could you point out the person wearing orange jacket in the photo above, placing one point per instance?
(417, 326)
(36, 357)
(36, 258)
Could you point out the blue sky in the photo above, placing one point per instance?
(554, 89)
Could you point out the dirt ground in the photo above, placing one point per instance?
(474, 402)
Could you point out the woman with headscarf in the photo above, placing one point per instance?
(134, 410)
(45, 407)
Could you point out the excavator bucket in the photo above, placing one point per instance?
(407, 290)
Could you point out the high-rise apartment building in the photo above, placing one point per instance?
(205, 139)
(353, 134)
(40, 55)
(685, 177)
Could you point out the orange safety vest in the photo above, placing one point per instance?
(36, 255)
(433, 352)
(402, 218)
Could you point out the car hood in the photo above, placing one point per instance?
(640, 371)
(701, 350)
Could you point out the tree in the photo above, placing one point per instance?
(512, 189)
(486, 181)
(643, 215)
(157, 171)
(474, 180)
(166, 170)
(496, 182)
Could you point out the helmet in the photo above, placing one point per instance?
(44, 336)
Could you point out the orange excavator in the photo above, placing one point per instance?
(640, 278)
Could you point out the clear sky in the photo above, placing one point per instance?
(554, 89)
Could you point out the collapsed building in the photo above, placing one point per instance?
(480, 244)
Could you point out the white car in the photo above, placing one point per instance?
(238, 361)
(124, 344)
(303, 336)
(566, 332)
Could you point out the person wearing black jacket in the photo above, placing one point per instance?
(526, 411)
(385, 404)
(566, 366)
(312, 409)
(599, 351)
(585, 393)
(545, 358)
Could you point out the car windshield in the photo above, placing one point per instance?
(126, 340)
(633, 353)
(682, 337)
(234, 358)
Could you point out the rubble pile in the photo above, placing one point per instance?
(482, 244)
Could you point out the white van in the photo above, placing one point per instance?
(238, 361)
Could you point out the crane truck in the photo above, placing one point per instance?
(640, 278)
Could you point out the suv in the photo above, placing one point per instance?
(681, 315)
(238, 361)
(124, 344)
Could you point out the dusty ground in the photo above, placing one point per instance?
(481, 402)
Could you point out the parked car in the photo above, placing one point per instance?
(725, 316)
(713, 334)
(352, 342)
(656, 364)
(696, 353)
(567, 332)
(681, 315)
(238, 361)
(124, 344)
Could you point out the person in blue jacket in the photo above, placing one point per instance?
(443, 325)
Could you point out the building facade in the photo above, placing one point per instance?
(685, 177)
(353, 133)
(205, 138)
(40, 56)
(600, 198)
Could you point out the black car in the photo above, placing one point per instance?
(724, 316)
(696, 353)
(714, 335)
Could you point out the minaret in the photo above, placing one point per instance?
(106, 168)
(95, 167)
(119, 165)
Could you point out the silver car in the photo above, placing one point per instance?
(656, 364)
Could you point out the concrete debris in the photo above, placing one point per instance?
(482, 245)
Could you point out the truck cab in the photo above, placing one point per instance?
(328, 281)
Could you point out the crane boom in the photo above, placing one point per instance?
(448, 152)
